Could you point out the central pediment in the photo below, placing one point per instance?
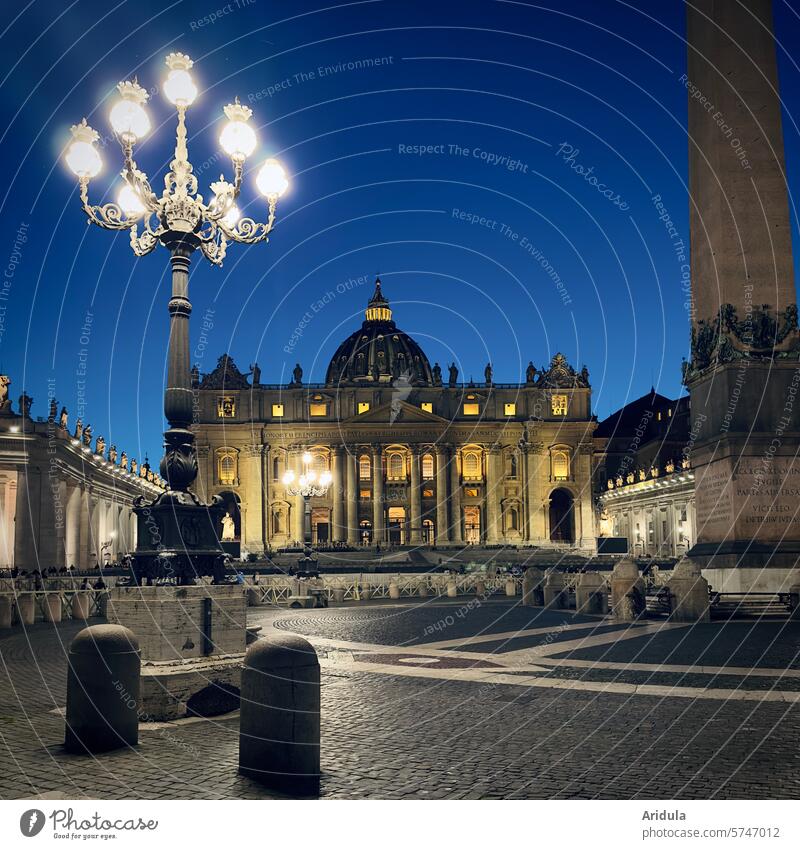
(397, 413)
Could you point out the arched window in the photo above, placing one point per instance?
(364, 467)
(427, 467)
(226, 466)
(471, 466)
(319, 463)
(276, 469)
(396, 467)
(512, 465)
(560, 465)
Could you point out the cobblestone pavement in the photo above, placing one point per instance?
(421, 701)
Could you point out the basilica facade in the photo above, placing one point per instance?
(415, 458)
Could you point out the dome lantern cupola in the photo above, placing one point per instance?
(378, 352)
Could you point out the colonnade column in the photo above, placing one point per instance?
(252, 534)
(586, 536)
(298, 505)
(416, 502)
(352, 499)
(441, 495)
(456, 533)
(378, 512)
(339, 529)
(493, 479)
(26, 520)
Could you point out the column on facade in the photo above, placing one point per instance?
(586, 535)
(493, 493)
(8, 506)
(84, 537)
(351, 497)
(456, 533)
(252, 532)
(26, 519)
(337, 493)
(442, 523)
(535, 469)
(298, 504)
(378, 511)
(416, 497)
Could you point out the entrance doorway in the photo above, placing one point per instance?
(472, 525)
(561, 519)
(397, 526)
(427, 531)
(365, 532)
(320, 525)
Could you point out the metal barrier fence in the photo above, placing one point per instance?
(42, 610)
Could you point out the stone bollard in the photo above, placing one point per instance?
(80, 606)
(365, 592)
(5, 611)
(689, 591)
(532, 591)
(511, 587)
(394, 590)
(452, 589)
(102, 690)
(590, 594)
(52, 607)
(555, 592)
(338, 594)
(26, 608)
(480, 587)
(279, 725)
(627, 591)
(422, 589)
(253, 598)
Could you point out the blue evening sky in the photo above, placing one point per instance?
(490, 244)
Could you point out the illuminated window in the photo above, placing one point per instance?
(472, 409)
(427, 467)
(318, 408)
(558, 404)
(319, 463)
(226, 466)
(427, 493)
(277, 411)
(364, 493)
(471, 492)
(364, 467)
(560, 465)
(363, 407)
(396, 467)
(226, 407)
(510, 409)
(426, 406)
(471, 466)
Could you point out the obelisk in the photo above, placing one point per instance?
(744, 375)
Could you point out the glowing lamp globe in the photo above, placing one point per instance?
(128, 116)
(82, 157)
(271, 180)
(288, 477)
(238, 138)
(306, 457)
(325, 478)
(232, 216)
(179, 87)
(129, 202)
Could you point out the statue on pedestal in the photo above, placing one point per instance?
(134, 466)
(87, 435)
(256, 372)
(100, 446)
(79, 428)
(123, 461)
(453, 374)
(25, 403)
(63, 419)
(530, 372)
(487, 374)
(297, 375)
(5, 401)
(112, 454)
(228, 528)
(437, 374)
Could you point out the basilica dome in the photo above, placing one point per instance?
(379, 352)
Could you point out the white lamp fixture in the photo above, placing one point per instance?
(179, 87)
(128, 117)
(82, 156)
(272, 181)
(238, 138)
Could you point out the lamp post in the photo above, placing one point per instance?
(176, 523)
(308, 484)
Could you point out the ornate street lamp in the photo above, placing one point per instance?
(176, 523)
(308, 485)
